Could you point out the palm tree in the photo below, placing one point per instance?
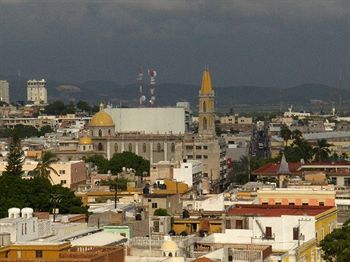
(44, 167)
(321, 150)
(286, 134)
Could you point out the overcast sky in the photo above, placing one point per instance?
(270, 43)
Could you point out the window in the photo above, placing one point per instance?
(189, 147)
(156, 226)
(295, 233)
(268, 232)
(84, 148)
(63, 182)
(321, 204)
(100, 147)
(198, 157)
(33, 226)
(305, 204)
(278, 203)
(38, 253)
(25, 228)
(198, 147)
(204, 107)
(159, 147)
(190, 157)
(205, 123)
(239, 224)
(100, 132)
(347, 181)
(333, 180)
(291, 204)
(264, 203)
(62, 172)
(205, 156)
(109, 132)
(149, 200)
(205, 147)
(130, 147)
(154, 205)
(172, 147)
(144, 147)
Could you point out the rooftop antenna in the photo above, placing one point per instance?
(152, 86)
(142, 98)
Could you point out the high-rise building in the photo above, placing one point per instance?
(36, 91)
(4, 91)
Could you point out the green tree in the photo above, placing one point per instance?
(129, 160)
(59, 108)
(161, 212)
(99, 161)
(84, 106)
(120, 183)
(44, 167)
(321, 151)
(15, 157)
(336, 245)
(45, 129)
(286, 134)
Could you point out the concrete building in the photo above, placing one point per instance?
(205, 146)
(297, 196)
(237, 146)
(36, 91)
(22, 226)
(69, 173)
(4, 91)
(190, 173)
(293, 232)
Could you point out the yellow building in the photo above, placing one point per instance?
(33, 251)
(195, 225)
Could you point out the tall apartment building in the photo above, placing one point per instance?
(4, 91)
(36, 91)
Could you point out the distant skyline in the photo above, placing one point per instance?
(261, 42)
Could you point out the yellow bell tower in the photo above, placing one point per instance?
(206, 106)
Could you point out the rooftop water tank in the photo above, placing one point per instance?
(14, 212)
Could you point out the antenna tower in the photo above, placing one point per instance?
(142, 98)
(152, 86)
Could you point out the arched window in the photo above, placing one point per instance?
(130, 147)
(109, 132)
(170, 254)
(84, 148)
(159, 147)
(144, 147)
(204, 107)
(100, 147)
(116, 147)
(205, 123)
(100, 132)
(172, 147)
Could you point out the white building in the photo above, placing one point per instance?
(36, 91)
(22, 226)
(152, 120)
(189, 172)
(4, 91)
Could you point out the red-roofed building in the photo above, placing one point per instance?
(338, 172)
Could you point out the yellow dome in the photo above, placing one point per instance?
(101, 119)
(169, 245)
(85, 140)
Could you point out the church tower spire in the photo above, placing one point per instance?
(206, 106)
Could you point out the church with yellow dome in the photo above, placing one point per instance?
(101, 137)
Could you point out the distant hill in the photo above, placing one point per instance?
(169, 94)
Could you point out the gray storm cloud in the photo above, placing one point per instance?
(278, 43)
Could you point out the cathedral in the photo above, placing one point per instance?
(100, 137)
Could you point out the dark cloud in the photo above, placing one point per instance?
(278, 43)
